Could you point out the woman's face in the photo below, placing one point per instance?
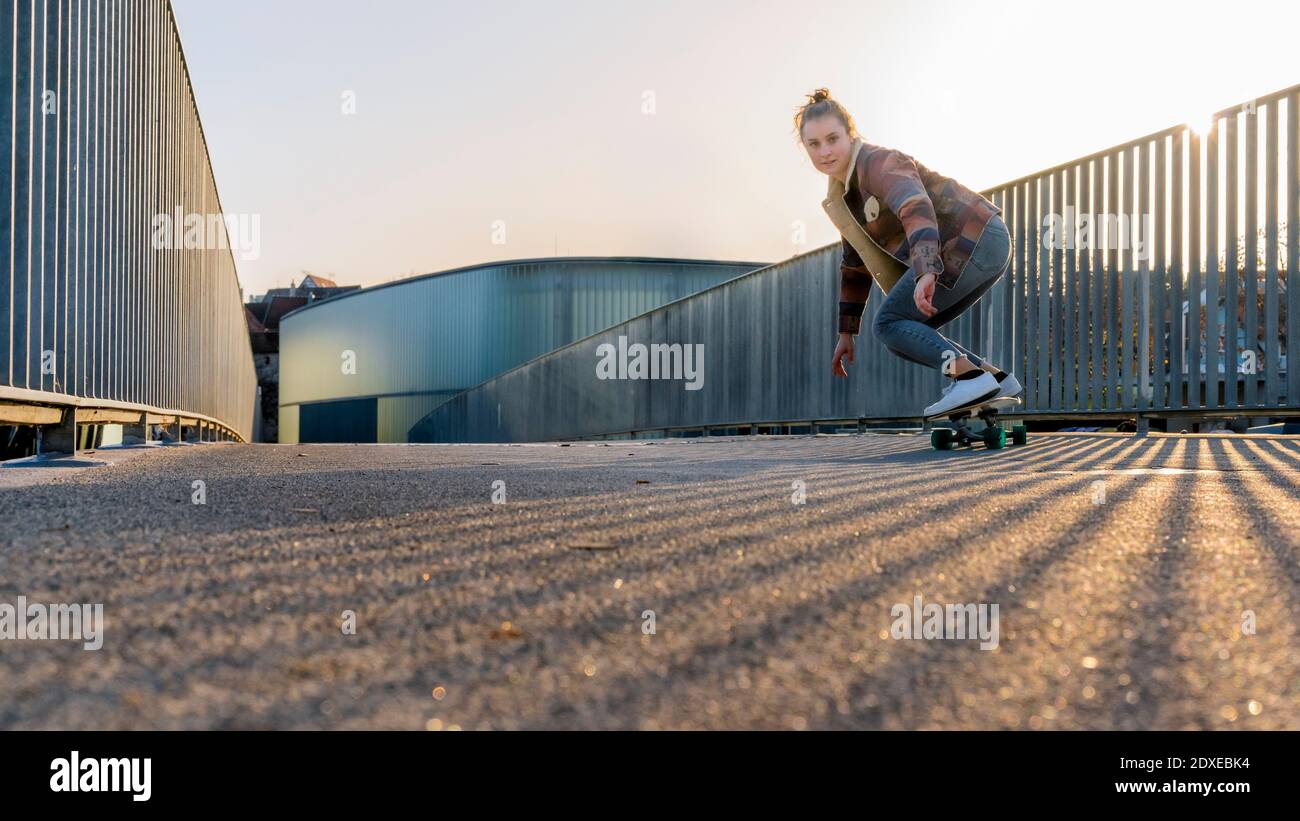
(828, 145)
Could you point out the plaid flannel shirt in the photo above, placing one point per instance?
(922, 218)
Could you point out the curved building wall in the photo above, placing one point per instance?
(758, 348)
(382, 358)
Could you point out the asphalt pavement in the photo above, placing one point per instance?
(738, 582)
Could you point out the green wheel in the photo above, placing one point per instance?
(941, 438)
(1020, 434)
(994, 438)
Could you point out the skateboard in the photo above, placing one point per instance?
(994, 436)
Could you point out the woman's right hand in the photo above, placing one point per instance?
(843, 350)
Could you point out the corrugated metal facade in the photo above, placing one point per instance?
(100, 135)
(416, 343)
(767, 340)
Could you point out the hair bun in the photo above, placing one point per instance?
(821, 104)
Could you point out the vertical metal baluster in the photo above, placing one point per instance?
(1070, 287)
(1231, 287)
(1273, 391)
(1038, 324)
(1160, 278)
(1128, 257)
(1098, 324)
(1194, 270)
(1056, 400)
(1292, 252)
(1213, 359)
(1250, 269)
(1018, 344)
(1086, 393)
(1176, 333)
(1145, 214)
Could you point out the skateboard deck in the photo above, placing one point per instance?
(994, 436)
(1001, 403)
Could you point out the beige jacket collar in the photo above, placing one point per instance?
(883, 266)
(853, 164)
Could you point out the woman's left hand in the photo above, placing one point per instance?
(924, 295)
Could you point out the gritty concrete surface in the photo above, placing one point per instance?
(1123, 569)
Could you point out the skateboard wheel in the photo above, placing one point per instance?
(1020, 434)
(994, 438)
(941, 438)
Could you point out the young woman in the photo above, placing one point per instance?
(933, 245)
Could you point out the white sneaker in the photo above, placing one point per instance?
(1010, 386)
(962, 392)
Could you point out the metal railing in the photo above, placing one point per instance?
(102, 145)
(1114, 329)
(1181, 301)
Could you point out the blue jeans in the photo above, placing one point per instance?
(903, 329)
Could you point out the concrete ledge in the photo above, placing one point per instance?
(17, 413)
(109, 416)
(23, 406)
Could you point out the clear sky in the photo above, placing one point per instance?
(532, 113)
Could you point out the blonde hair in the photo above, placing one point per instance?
(820, 103)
